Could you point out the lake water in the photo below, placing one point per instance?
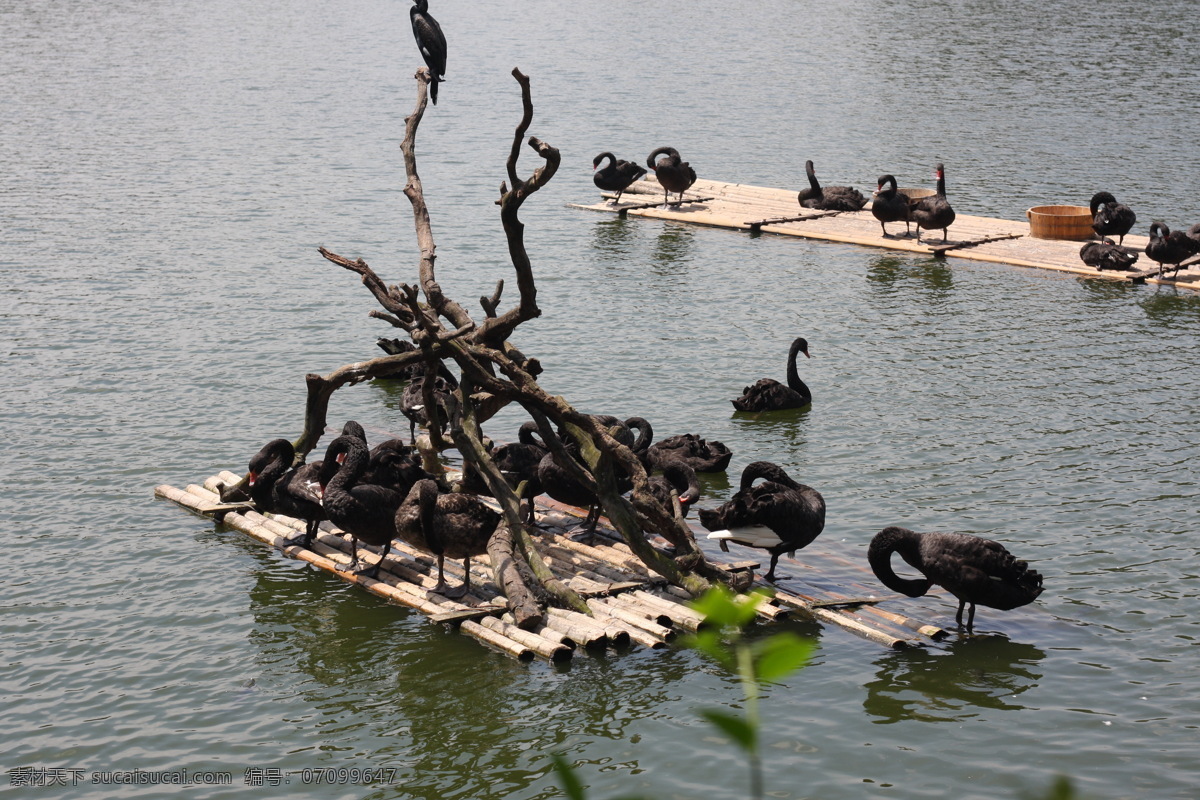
(170, 169)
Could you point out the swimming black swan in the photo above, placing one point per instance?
(973, 569)
(680, 477)
(1169, 247)
(278, 488)
(778, 515)
(517, 461)
(1110, 218)
(889, 205)
(674, 174)
(616, 176)
(771, 395)
(456, 525)
(365, 511)
(699, 454)
(1106, 254)
(830, 198)
(431, 42)
(934, 212)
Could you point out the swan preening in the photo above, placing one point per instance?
(1107, 254)
(778, 515)
(769, 394)
(674, 174)
(889, 205)
(616, 175)
(975, 570)
(431, 42)
(1110, 218)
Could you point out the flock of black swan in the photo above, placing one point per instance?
(383, 494)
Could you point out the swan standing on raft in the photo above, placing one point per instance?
(769, 394)
(934, 212)
(1110, 218)
(674, 174)
(277, 487)
(365, 511)
(973, 569)
(457, 525)
(1169, 247)
(889, 205)
(778, 515)
(616, 175)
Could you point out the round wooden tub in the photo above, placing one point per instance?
(1060, 222)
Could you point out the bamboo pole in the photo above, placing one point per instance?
(551, 651)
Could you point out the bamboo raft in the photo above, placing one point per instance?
(631, 606)
(760, 209)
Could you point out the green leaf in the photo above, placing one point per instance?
(567, 777)
(733, 726)
(722, 608)
(780, 655)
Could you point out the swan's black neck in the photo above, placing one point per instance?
(793, 376)
(879, 556)
(278, 455)
(812, 176)
(941, 181)
(352, 465)
(683, 478)
(890, 182)
(427, 495)
(596, 161)
(645, 433)
(767, 470)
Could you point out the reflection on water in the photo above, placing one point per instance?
(1172, 308)
(952, 683)
(891, 271)
(672, 248)
(614, 236)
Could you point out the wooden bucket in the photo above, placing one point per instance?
(914, 195)
(1060, 222)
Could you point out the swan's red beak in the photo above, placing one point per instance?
(252, 478)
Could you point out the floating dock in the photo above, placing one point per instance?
(630, 605)
(760, 209)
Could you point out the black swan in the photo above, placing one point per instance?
(1169, 247)
(679, 477)
(674, 174)
(518, 461)
(392, 463)
(973, 569)
(771, 395)
(1106, 254)
(365, 511)
(889, 205)
(278, 488)
(934, 212)
(615, 176)
(561, 485)
(1110, 218)
(455, 525)
(778, 515)
(412, 401)
(431, 42)
(699, 454)
(1193, 233)
(830, 198)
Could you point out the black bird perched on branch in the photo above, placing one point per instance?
(1106, 254)
(1110, 218)
(616, 175)
(431, 42)
(973, 569)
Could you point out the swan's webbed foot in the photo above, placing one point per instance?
(444, 590)
(368, 572)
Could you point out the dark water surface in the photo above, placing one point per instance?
(170, 169)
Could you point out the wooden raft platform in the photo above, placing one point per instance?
(756, 208)
(631, 605)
